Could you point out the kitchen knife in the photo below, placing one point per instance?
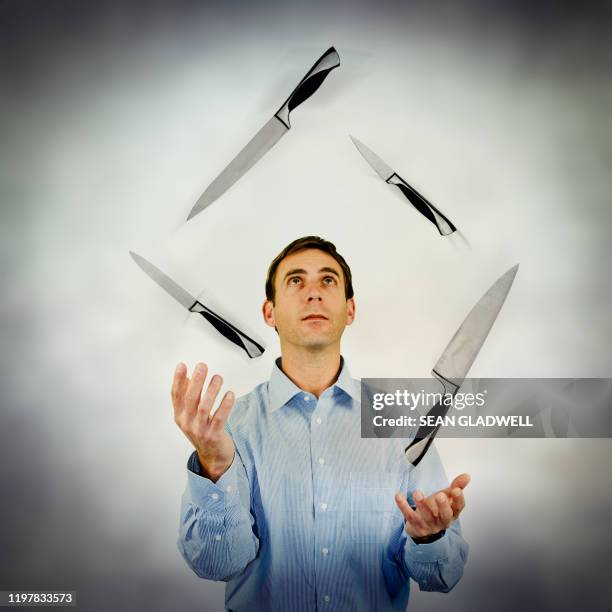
(425, 207)
(252, 348)
(456, 360)
(270, 133)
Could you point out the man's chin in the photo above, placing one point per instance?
(313, 339)
(317, 343)
(316, 346)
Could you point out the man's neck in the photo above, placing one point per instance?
(312, 371)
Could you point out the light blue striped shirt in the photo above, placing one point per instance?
(305, 517)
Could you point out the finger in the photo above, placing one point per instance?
(433, 506)
(404, 506)
(460, 481)
(458, 501)
(179, 384)
(208, 399)
(194, 389)
(446, 512)
(424, 511)
(415, 526)
(225, 407)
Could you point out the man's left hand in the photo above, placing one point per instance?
(436, 512)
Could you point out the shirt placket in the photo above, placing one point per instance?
(322, 472)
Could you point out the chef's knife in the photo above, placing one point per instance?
(425, 207)
(270, 133)
(252, 348)
(456, 360)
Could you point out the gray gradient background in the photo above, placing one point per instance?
(115, 116)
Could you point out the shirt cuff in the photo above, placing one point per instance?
(426, 553)
(209, 495)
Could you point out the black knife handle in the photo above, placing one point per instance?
(309, 84)
(233, 334)
(423, 205)
(426, 434)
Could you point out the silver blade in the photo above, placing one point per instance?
(164, 281)
(457, 358)
(378, 164)
(255, 149)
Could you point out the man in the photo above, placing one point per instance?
(285, 501)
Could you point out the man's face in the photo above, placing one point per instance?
(310, 307)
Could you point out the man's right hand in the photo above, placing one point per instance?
(213, 444)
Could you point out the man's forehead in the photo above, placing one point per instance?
(311, 260)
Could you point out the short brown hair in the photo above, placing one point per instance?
(301, 244)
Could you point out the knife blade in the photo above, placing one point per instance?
(455, 362)
(269, 134)
(226, 329)
(444, 225)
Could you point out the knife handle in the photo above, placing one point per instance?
(423, 205)
(233, 334)
(425, 435)
(309, 84)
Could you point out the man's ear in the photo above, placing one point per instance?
(350, 310)
(268, 313)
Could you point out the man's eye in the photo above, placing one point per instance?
(329, 280)
(294, 280)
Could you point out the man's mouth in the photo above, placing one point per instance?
(315, 317)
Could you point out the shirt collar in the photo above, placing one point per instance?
(282, 389)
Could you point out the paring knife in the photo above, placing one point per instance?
(270, 133)
(456, 360)
(252, 348)
(425, 207)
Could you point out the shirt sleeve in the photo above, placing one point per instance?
(437, 566)
(216, 532)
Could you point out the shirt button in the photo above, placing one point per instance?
(321, 460)
(323, 506)
(228, 488)
(306, 398)
(215, 495)
(319, 420)
(325, 551)
(327, 598)
(218, 538)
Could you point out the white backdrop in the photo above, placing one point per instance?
(115, 122)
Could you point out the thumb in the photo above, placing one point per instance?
(460, 481)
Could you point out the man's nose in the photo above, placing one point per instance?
(314, 293)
